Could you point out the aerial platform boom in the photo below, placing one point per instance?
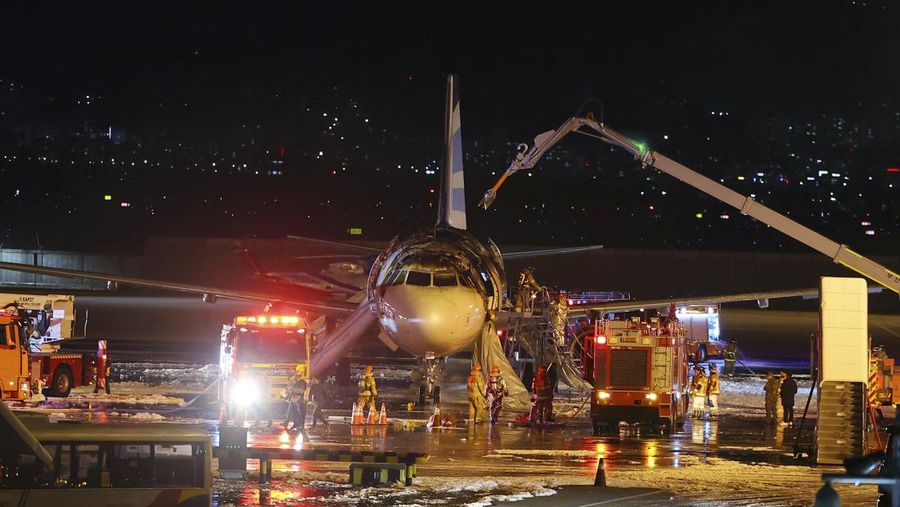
(839, 253)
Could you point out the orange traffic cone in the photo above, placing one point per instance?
(356, 416)
(371, 419)
(382, 419)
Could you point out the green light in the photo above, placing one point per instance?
(642, 147)
(107, 197)
(355, 231)
(699, 215)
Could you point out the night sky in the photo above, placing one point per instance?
(202, 72)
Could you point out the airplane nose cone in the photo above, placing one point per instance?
(431, 319)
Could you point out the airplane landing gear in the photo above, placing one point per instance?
(429, 390)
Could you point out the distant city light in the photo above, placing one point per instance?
(699, 215)
(125, 204)
(870, 232)
(724, 216)
(107, 197)
(865, 223)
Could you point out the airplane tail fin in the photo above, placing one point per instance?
(452, 208)
(241, 249)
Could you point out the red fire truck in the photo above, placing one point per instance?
(257, 357)
(23, 372)
(639, 370)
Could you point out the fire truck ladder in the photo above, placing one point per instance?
(840, 254)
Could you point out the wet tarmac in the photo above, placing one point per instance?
(736, 460)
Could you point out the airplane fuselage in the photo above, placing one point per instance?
(435, 290)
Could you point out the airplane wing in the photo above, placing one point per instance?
(761, 297)
(317, 302)
(338, 244)
(548, 251)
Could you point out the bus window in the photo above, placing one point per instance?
(175, 465)
(87, 466)
(131, 466)
(418, 278)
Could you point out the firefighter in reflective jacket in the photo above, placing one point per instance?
(495, 391)
(367, 390)
(476, 390)
(698, 393)
(712, 392)
(543, 398)
(525, 287)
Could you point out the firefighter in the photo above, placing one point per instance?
(525, 287)
(771, 388)
(296, 397)
(368, 391)
(788, 390)
(543, 398)
(476, 390)
(730, 357)
(316, 394)
(712, 392)
(102, 369)
(495, 391)
(698, 392)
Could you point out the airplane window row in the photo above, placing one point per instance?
(422, 278)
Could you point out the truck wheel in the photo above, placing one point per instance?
(62, 382)
(700, 354)
(665, 427)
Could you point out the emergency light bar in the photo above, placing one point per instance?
(268, 320)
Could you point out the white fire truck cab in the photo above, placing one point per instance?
(701, 331)
(258, 354)
(639, 370)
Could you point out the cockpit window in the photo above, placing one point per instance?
(444, 279)
(397, 277)
(420, 278)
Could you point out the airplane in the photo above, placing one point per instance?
(432, 294)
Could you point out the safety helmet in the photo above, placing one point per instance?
(542, 369)
(299, 368)
(369, 370)
(495, 370)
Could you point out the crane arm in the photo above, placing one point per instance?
(839, 253)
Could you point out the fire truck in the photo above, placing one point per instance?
(23, 372)
(884, 385)
(258, 354)
(701, 332)
(639, 370)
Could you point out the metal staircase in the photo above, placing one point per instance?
(842, 421)
(539, 335)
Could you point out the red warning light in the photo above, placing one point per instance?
(893, 169)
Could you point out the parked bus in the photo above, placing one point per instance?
(110, 464)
